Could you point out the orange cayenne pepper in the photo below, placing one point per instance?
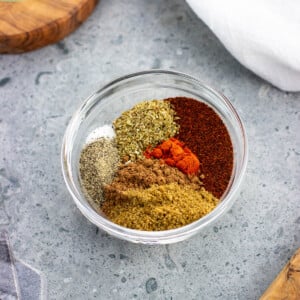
(175, 154)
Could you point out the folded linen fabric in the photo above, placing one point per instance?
(262, 35)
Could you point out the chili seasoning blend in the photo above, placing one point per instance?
(167, 142)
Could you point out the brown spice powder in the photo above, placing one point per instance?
(144, 173)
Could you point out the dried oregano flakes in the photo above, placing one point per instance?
(147, 123)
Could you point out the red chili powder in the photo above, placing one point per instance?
(203, 131)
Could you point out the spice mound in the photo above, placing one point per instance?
(167, 165)
(159, 207)
(147, 123)
(144, 173)
(176, 154)
(204, 132)
(98, 163)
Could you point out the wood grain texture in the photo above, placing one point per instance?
(30, 24)
(286, 285)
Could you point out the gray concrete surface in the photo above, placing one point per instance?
(237, 258)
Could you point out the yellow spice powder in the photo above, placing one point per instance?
(160, 207)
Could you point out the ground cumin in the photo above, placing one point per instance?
(144, 173)
(159, 207)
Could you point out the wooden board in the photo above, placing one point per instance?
(30, 24)
(286, 285)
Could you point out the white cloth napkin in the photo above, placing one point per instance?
(264, 35)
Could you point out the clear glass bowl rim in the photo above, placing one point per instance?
(139, 236)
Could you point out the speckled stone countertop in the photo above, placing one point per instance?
(236, 258)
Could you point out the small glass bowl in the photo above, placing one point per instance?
(106, 104)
